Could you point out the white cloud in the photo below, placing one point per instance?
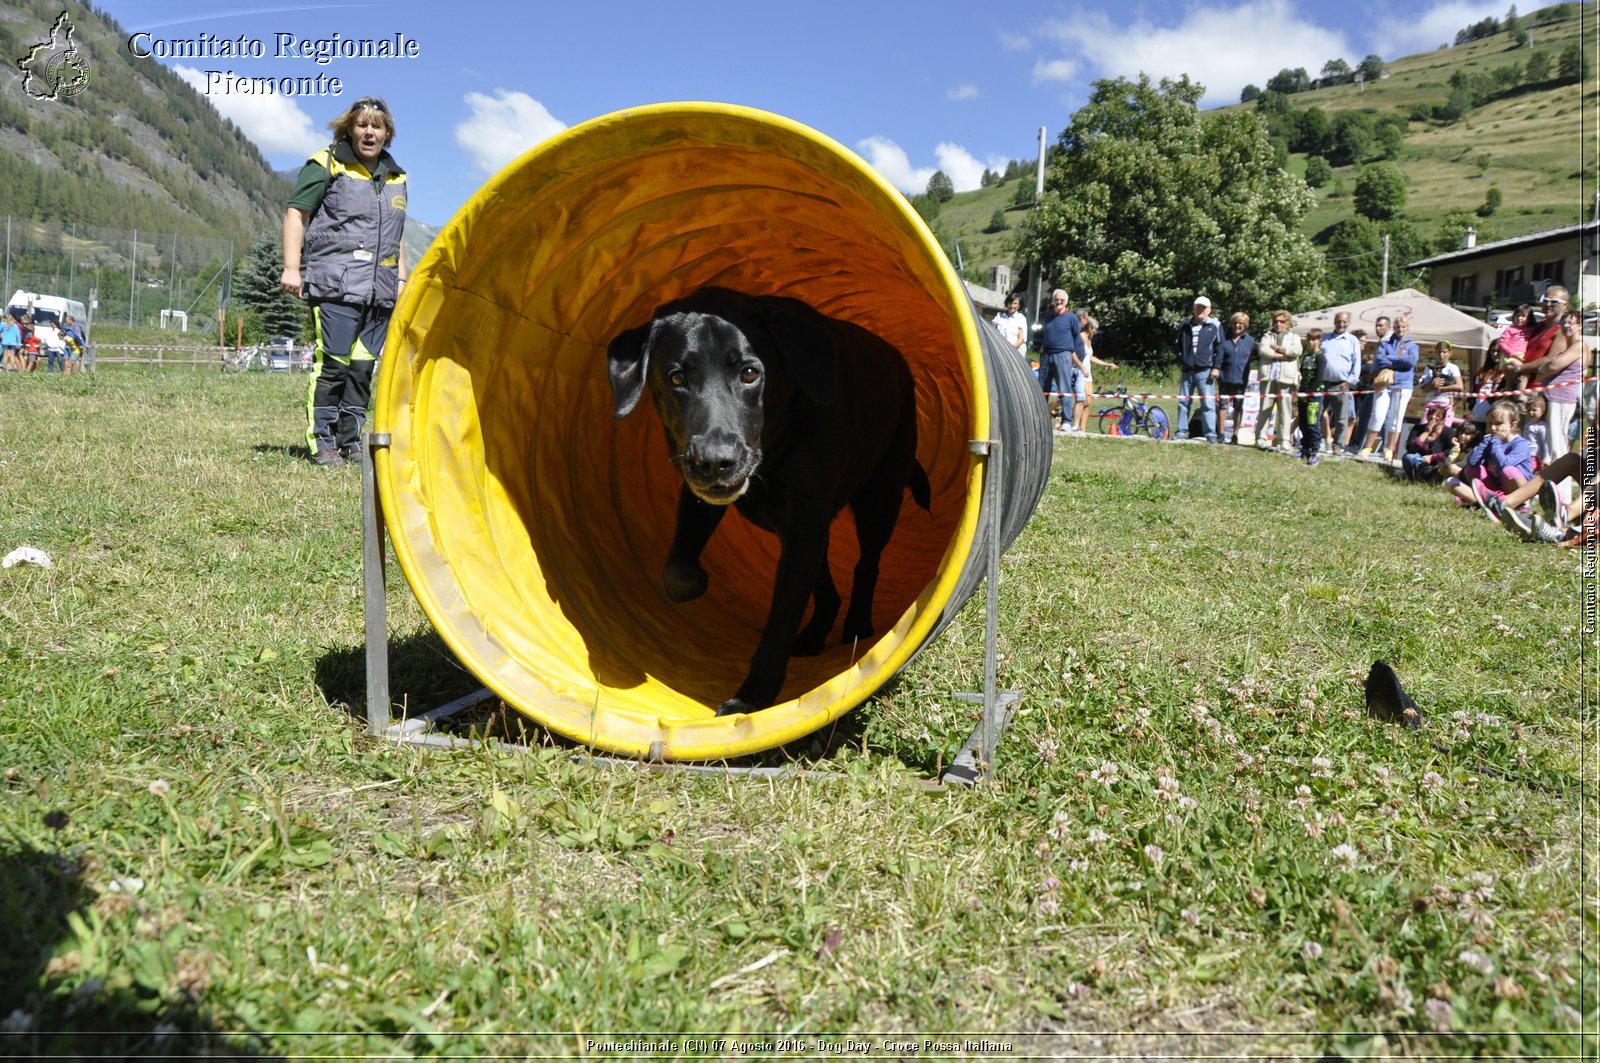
(502, 127)
(1053, 70)
(274, 123)
(1394, 35)
(890, 159)
(964, 171)
(1013, 42)
(1209, 45)
(962, 92)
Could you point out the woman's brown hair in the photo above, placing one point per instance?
(344, 125)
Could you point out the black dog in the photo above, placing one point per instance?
(788, 415)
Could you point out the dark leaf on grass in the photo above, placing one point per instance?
(1386, 700)
(56, 820)
(830, 943)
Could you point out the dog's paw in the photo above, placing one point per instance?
(685, 583)
(737, 707)
(809, 643)
(858, 633)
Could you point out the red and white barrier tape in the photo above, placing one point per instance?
(1474, 396)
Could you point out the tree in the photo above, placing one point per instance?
(1318, 172)
(1145, 203)
(1491, 202)
(1274, 102)
(989, 179)
(1575, 64)
(1478, 31)
(1313, 132)
(1248, 93)
(268, 309)
(926, 205)
(1336, 72)
(1391, 136)
(1289, 81)
(940, 187)
(1380, 191)
(997, 222)
(1355, 256)
(1537, 72)
(1353, 136)
(1512, 23)
(1371, 68)
(1023, 197)
(1457, 105)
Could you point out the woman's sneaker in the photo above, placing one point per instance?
(1549, 533)
(1490, 504)
(1523, 523)
(1550, 502)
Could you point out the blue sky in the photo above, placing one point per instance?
(912, 87)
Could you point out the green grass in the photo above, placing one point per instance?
(201, 850)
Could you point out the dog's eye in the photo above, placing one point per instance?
(749, 374)
(677, 378)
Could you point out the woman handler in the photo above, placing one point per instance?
(344, 252)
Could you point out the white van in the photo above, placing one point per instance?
(45, 309)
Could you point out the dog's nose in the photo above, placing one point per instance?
(714, 458)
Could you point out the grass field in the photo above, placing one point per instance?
(1197, 843)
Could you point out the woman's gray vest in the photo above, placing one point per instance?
(352, 245)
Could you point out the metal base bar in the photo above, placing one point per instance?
(974, 763)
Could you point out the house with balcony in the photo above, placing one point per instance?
(1503, 273)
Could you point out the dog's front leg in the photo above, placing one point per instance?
(685, 579)
(802, 553)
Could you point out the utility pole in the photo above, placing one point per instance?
(1385, 265)
(133, 278)
(1038, 197)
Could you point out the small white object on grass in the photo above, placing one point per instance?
(27, 555)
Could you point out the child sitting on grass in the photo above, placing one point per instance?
(1429, 446)
(1563, 523)
(1467, 436)
(1501, 462)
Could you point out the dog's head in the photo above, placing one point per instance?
(720, 367)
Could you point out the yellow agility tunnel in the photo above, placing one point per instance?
(532, 526)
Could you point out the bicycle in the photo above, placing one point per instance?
(239, 360)
(1131, 416)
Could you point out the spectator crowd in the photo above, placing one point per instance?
(24, 342)
(1500, 446)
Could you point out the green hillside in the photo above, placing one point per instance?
(1525, 143)
(136, 148)
(1530, 136)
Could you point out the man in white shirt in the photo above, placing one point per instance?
(1013, 325)
(1341, 361)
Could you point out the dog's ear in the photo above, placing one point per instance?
(805, 346)
(627, 358)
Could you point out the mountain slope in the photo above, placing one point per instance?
(136, 148)
(1525, 142)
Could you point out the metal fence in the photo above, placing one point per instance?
(123, 276)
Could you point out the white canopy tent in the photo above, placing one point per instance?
(1431, 321)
